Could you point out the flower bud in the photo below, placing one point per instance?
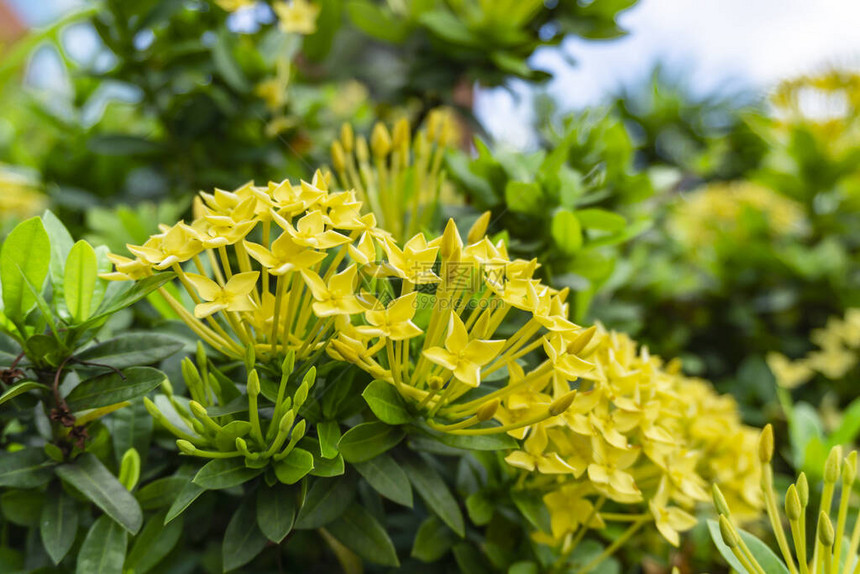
(361, 150)
(298, 431)
(253, 384)
(562, 403)
(198, 427)
(286, 421)
(129, 469)
(435, 382)
(250, 357)
(793, 508)
(300, 396)
(803, 490)
(380, 141)
(197, 410)
(728, 533)
(186, 447)
(401, 133)
(832, 465)
(487, 410)
(310, 377)
(347, 136)
(825, 530)
(765, 444)
(479, 228)
(583, 338)
(167, 387)
(720, 501)
(449, 248)
(152, 409)
(338, 157)
(288, 364)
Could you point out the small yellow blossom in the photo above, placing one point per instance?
(297, 16)
(392, 321)
(336, 298)
(234, 296)
(464, 358)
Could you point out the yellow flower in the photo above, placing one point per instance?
(285, 256)
(415, 261)
(609, 472)
(234, 296)
(670, 520)
(234, 5)
(338, 298)
(461, 356)
(310, 231)
(178, 244)
(569, 508)
(393, 321)
(297, 16)
(788, 374)
(127, 268)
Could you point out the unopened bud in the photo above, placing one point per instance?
(250, 357)
(832, 465)
(253, 384)
(380, 141)
(401, 133)
(849, 469)
(451, 244)
(720, 501)
(728, 533)
(825, 530)
(129, 469)
(197, 409)
(338, 157)
(793, 509)
(300, 396)
(435, 382)
(286, 421)
(361, 150)
(347, 136)
(765, 444)
(152, 409)
(310, 377)
(167, 387)
(562, 403)
(288, 363)
(479, 228)
(186, 447)
(487, 410)
(298, 431)
(803, 490)
(583, 338)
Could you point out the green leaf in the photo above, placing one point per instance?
(368, 440)
(61, 244)
(132, 349)
(276, 511)
(20, 389)
(762, 553)
(122, 144)
(359, 531)
(160, 492)
(103, 550)
(294, 466)
(386, 403)
(242, 539)
(480, 508)
(79, 280)
(499, 441)
(329, 435)
(58, 524)
(524, 197)
(25, 253)
(125, 297)
(387, 478)
(435, 493)
(112, 388)
(131, 427)
(326, 500)
(154, 542)
(89, 476)
(224, 473)
(226, 64)
(532, 508)
(327, 467)
(22, 507)
(189, 493)
(450, 28)
(377, 21)
(25, 468)
(432, 541)
(566, 231)
(595, 218)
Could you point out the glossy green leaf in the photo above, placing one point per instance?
(58, 524)
(523, 197)
(61, 244)
(79, 280)
(103, 550)
(276, 511)
(160, 492)
(94, 481)
(368, 440)
(432, 541)
(125, 296)
(189, 493)
(132, 349)
(377, 21)
(329, 435)
(26, 468)
(242, 539)
(224, 473)
(154, 542)
(387, 478)
(21, 388)
(111, 388)
(595, 218)
(432, 488)
(532, 508)
(359, 531)
(480, 508)
(498, 441)
(26, 252)
(386, 403)
(326, 500)
(22, 506)
(294, 466)
(131, 427)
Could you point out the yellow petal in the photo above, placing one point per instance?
(207, 288)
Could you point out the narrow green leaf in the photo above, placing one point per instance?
(359, 531)
(242, 539)
(160, 492)
(386, 403)
(94, 481)
(326, 500)
(432, 541)
(126, 296)
(532, 508)
(295, 466)
(387, 478)
(20, 389)
(79, 280)
(224, 473)
(368, 440)
(435, 493)
(61, 243)
(329, 435)
(58, 524)
(103, 550)
(276, 511)
(154, 542)
(25, 253)
(132, 349)
(189, 493)
(111, 388)
(26, 468)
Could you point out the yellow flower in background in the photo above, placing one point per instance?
(20, 197)
(234, 5)
(463, 357)
(297, 16)
(235, 295)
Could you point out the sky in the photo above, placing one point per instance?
(720, 45)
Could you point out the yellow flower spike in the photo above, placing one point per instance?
(464, 358)
(380, 141)
(234, 296)
(479, 228)
(393, 321)
(336, 298)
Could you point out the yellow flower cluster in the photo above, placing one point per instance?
(294, 16)
(261, 254)
(833, 551)
(398, 176)
(20, 197)
(828, 104)
(718, 211)
(838, 349)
